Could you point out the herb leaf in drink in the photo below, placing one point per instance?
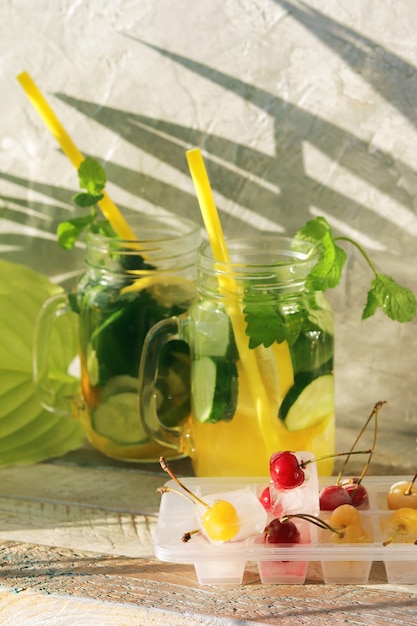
(264, 325)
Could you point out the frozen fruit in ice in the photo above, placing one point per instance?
(279, 531)
(265, 499)
(285, 470)
(304, 497)
(224, 516)
(219, 523)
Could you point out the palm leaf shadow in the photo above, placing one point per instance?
(277, 186)
(267, 190)
(391, 76)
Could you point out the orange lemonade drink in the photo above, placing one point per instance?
(261, 348)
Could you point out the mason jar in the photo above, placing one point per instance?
(127, 287)
(261, 347)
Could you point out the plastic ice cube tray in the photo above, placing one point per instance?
(226, 563)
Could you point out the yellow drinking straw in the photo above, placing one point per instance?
(107, 206)
(218, 245)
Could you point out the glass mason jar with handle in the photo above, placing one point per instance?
(261, 349)
(127, 287)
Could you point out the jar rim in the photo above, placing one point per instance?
(151, 231)
(163, 242)
(262, 251)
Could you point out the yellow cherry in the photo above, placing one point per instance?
(351, 534)
(402, 526)
(221, 521)
(402, 494)
(347, 521)
(345, 515)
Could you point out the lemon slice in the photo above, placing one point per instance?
(166, 289)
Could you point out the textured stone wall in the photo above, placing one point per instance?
(300, 108)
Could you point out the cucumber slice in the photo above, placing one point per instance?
(213, 332)
(214, 389)
(119, 384)
(118, 419)
(309, 401)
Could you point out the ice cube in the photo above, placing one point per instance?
(252, 515)
(302, 499)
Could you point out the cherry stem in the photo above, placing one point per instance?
(390, 540)
(374, 413)
(303, 464)
(187, 536)
(164, 464)
(409, 489)
(317, 521)
(166, 489)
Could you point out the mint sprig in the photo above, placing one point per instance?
(92, 178)
(265, 323)
(327, 273)
(397, 302)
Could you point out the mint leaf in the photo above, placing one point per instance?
(85, 200)
(371, 305)
(103, 227)
(69, 232)
(397, 302)
(327, 273)
(264, 325)
(92, 176)
(314, 230)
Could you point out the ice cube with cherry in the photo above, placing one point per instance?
(288, 522)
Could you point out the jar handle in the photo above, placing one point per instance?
(170, 329)
(50, 398)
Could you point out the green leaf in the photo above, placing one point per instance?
(70, 231)
(104, 228)
(28, 433)
(92, 176)
(328, 270)
(371, 305)
(264, 325)
(397, 302)
(86, 200)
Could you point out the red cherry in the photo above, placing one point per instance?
(281, 532)
(265, 499)
(285, 470)
(333, 496)
(357, 493)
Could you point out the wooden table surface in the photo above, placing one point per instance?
(76, 548)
